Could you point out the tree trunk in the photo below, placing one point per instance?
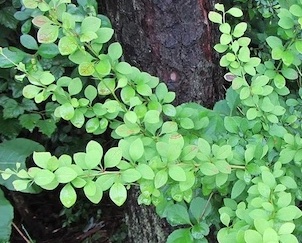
(171, 39)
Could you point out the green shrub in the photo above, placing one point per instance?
(236, 168)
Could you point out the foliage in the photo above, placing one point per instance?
(13, 153)
(235, 168)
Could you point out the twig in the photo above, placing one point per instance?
(20, 232)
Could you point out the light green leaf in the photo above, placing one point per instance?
(86, 68)
(90, 92)
(115, 51)
(136, 149)
(130, 175)
(41, 159)
(161, 178)
(177, 173)
(112, 157)
(123, 68)
(238, 188)
(44, 177)
(208, 169)
(68, 196)
(67, 45)
(146, 171)
(235, 12)
(106, 181)
(252, 236)
(240, 29)
(288, 213)
(66, 111)
(90, 23)
(65, 174)
(98, 194)
(286, 228)
(48, 33)
(215, 17)
(118, 193)
(152, 116)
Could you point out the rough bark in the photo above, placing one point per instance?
(171, 39)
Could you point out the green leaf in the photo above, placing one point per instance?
(15, 56)
(92, 125)
(48, 50)
(67, 45)
(288, 213)
(215, 17)
(251, 113)
(92, 192)
(123, 68)
(252, 236)
(86, 68)
(40, 20)
(144, 89)
(208, 169)
(222, 152)
(180, 236)
(177, 215)
(286, 228)
(237, 189)
(136, 149)
(152, 116)
(199, 207)
(66, 111)
(106, 181)
(274, 42)
(75, 86)
(289, 73)
(90, 93)
(177, 173)
(29, 121)
(48, 33)
(112, 157)
(189, 152)
(279, 81)
(103, 67)
(235, 12)
(21, 185)
(104, 34)
(41, 159)
(225, 219)
(288, 238)
(68, 196)
(289, 182)
(44, 177)
(28, 42)
(46, 78)
(115, 51)
(118, 193)
(7, 215)
(90, 23)
(240, 29)
(161, 178)
(199, 231)
(130, 175)
(145, 171)
(65, 174)
(244, 54)
(186, 123)
(47, 126)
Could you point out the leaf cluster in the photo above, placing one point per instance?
(235, 168)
